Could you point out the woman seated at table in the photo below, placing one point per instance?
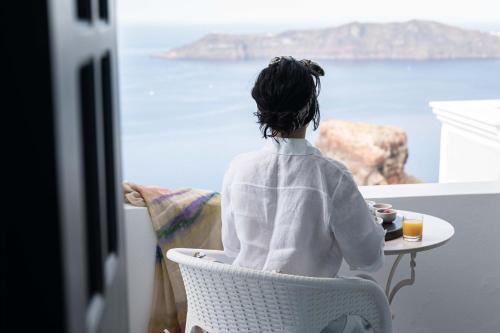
(287, 208)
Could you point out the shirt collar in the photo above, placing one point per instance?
(289, 146)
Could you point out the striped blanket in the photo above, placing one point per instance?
(181, 218)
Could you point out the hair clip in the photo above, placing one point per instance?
(278, 59)
(274, 60)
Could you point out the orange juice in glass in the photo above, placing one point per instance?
(413, 228)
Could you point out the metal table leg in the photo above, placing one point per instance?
(407, 282)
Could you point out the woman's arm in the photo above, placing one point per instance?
(360, 239)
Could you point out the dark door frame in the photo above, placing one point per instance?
(64, 245)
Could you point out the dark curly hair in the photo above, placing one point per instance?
(286, 93)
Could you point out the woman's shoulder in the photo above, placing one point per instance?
(335, 174)
(331, 165)
(245, 158)
(243, 163)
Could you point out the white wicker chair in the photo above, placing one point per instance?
(224, 298)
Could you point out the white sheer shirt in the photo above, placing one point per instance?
(286, 208)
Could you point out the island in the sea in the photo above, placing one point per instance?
(413, 39)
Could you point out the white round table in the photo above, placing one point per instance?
(436, 232)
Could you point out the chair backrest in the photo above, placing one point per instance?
(224, 298)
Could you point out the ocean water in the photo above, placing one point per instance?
(183, 121)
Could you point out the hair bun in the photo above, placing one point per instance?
(312, 66)
(315, 69)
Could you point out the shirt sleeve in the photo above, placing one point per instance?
(360, 239)
(230, 240)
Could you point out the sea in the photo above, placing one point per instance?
(183, 121)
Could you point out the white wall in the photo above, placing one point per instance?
(470, 140)
(457, 286)
(140, 245)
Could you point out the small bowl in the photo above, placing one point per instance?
(387, 217)
(380, 205)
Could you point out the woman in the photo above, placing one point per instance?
(287, 208)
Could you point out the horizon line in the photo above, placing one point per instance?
(296, 23)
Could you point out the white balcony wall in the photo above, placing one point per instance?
(457, 286)
(140, 248)
(470, 140)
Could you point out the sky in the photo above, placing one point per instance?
(307, 12)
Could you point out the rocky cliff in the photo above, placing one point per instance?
(404, 40)
(376, 155)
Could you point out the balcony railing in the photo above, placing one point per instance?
(457, 287)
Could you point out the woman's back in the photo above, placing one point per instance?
(287, 208)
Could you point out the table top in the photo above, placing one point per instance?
(436, 232)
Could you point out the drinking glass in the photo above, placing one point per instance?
(413, 227)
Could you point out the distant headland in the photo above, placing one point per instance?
(415, 39)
